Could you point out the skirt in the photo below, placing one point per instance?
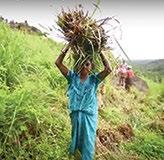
(83, 135)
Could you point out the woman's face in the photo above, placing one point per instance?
(88, 65)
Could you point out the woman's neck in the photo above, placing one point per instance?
(83, 75)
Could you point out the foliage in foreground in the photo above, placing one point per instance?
(33, 123)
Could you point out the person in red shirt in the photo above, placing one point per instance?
(129, 78)
(121, 72)
(122, 75)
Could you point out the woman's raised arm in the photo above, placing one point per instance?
(107, 68)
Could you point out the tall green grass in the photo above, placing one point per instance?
(33, 123)
(148, 145)
(144, 112)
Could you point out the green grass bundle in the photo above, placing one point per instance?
(86, 35)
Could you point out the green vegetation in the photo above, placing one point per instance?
(144, 113)
(148, 145)
(34, 121)
(152, 69)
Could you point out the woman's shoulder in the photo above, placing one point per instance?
(94, 77)
(72, 73)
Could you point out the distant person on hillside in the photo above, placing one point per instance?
(83, 106)
(121, 71)
(129, 78)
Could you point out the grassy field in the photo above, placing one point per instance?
(34, 121)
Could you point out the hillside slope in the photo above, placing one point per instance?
(34, 121)
(150, 64)
(153, 69)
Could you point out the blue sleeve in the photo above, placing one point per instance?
(70, 76)
(97, 80)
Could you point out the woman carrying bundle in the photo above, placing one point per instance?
(83, 107)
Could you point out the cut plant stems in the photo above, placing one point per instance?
(88, 35)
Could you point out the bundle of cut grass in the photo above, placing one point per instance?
(86, 35)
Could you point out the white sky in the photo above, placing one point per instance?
(142, 21)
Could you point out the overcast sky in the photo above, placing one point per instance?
(142, 22)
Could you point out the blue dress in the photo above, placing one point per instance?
(83, 109)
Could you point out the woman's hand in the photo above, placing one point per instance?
(65, 48)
